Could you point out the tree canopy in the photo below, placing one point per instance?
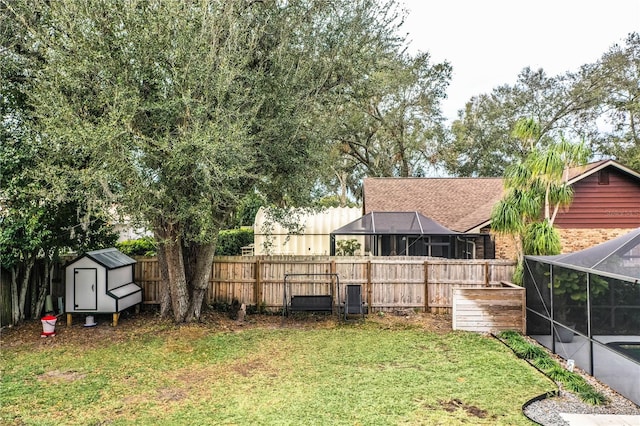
(598, 103)
(42, 212)
(388, 122)
(619, 70)
(173, 111)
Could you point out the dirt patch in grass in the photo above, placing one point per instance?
(455, 404)
(247, 369)
(61, 376)
(171, 394)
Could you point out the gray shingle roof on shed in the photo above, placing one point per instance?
(110, 258)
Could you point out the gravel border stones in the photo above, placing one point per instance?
(547, 411)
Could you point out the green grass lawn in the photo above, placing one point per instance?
(349, 374)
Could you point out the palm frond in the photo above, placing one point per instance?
(506, 218)
(561, 195)
(541, 238)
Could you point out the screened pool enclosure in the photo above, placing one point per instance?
(413, 234)
(585, 306)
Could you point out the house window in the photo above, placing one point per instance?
(603, 177)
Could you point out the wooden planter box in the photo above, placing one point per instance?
(490, 309)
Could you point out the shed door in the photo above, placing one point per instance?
(85, 293)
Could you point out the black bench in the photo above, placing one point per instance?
(312, 303)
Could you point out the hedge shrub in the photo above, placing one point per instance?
(231, 241)
(145, 246)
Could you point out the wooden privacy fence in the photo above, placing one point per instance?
(388, 283)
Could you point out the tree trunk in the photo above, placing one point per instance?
(165, 296)
(202, 257)
(177, 281)
(185, 271)
(33, 290)
(15, 307)
(404, 164)
(42, 288)
(342, 178)
(178, 291)
(39, 305)
(547, 204)
(24, 287)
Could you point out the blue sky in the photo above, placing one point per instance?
(488, 42)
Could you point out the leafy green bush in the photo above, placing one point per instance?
(530, 351)
(347, 247)
(145, 246)
(577, 384)
(523, 348)
(559, 374)
(231, 241)
(510, 335)
(541, 238)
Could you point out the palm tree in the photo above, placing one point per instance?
(536, 189)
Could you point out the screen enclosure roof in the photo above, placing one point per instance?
(394, 223)
(619, 256)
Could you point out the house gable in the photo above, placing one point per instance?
(605, 197)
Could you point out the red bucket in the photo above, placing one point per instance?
(48, 326)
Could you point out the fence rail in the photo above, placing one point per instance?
(388, 283)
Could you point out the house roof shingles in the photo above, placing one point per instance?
(459, 204)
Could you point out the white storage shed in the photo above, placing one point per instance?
(100, 282)
(314, 238)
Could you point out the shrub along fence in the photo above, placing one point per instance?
(387, 283)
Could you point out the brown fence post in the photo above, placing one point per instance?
(487, 279)
(332, 270)
(258, 289)
(426, 286)
(369, 289)
(213, 281)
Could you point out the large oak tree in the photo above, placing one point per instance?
(180, 108)
(483, 143)
(619, 69)
(389, 122)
